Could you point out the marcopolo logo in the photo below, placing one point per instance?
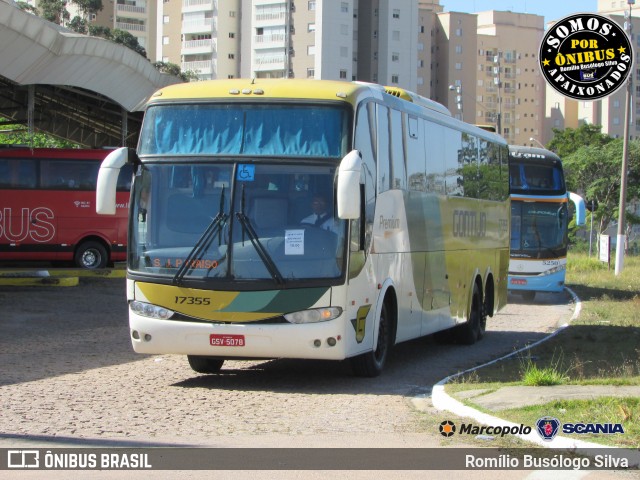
(586, 56)
(448, 428)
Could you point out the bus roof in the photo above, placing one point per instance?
(261, 88)
(532, 153)
(305, 89)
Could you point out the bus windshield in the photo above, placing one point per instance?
(265, 130)
(228, 221)
(538, 229)
(536, 178)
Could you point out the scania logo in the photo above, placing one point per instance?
(548, 427)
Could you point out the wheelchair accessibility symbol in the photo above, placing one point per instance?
(246, 173)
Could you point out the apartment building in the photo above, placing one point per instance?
(510, 87)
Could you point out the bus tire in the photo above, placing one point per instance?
(205, 364)
(91, 255)
(370, 364)
(471, 331)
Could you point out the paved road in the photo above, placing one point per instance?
(68, 372)
(70, 378)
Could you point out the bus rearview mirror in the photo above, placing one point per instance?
(349, 186)
(108, 181)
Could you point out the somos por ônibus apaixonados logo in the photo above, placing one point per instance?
(586, 56)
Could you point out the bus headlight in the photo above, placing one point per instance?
(151, 311)
(553, 270)
(314, 316)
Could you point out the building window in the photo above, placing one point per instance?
(458, 48)
(344, 7)
(311, 50)
(312, 5)
(230, 76)
(344, 52)
(311, 27)
(232, 35)
(344, 29)
(458, 66)
(343, 74)
(165, 40)
(395, 35)
(395, 57)
(165, 19)
(231, 56)
(311, 72)
(458, 32)
(396, 13)
(232, 14)
(395, 79)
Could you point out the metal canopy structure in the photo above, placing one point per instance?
(84, 89)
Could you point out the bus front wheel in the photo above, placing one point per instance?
(205, 364)
(370, 364)
(91, 255)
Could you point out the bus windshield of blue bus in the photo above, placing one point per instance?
(245, 129)
(539, 229)
(224, 221)
(532, 178)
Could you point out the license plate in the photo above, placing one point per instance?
(224, 340)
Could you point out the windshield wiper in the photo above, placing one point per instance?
(203, 243)
(262, 252)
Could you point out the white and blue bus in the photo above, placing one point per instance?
(227, 259)
(539, 221)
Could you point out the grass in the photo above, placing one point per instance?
(601, 347)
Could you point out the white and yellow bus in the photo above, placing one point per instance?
(226, 258)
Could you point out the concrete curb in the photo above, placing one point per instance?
(442, 401)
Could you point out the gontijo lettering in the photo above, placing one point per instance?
(467, 223)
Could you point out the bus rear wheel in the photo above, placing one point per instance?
(370, 364)
(91, 255)
(471, 331)
(205, 364)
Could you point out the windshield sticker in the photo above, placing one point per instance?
(246, 173)
(294, 242)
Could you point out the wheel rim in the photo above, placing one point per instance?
(91, 258)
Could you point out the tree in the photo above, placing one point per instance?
(173, 69)
(19, 135)
(54, 10)
(567, 141)
(594, 170)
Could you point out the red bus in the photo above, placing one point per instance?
(47, 208)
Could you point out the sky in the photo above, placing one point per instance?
(549, 9)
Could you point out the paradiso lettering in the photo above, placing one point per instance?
(585, 57)
(467, 223)
(30, 224)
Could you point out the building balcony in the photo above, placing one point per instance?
(199, 5)
(270, 19)
(193, 47)
(131, 27)
(275, 62)
(268, 41)
(206, 25)
(201, 67)
(135, 9)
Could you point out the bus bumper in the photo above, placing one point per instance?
(324, 340)
(540, 283)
